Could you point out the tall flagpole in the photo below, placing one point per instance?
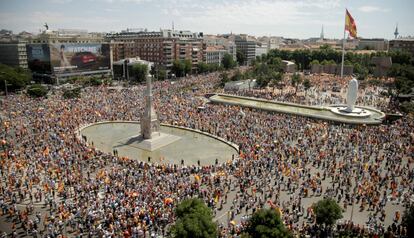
(343, 49)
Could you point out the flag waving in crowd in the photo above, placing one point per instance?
(350, 25)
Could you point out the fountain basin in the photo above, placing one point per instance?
(316, 112)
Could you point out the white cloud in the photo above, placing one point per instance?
(369, 9)
(244, 15)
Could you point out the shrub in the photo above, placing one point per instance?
(37, 90)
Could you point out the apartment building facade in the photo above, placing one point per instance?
(161, 47)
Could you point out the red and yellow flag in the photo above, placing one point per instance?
(350, 25)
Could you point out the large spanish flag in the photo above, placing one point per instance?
(350, 25)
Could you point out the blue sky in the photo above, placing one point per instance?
(294, 18)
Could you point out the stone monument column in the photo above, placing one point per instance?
(150, 126)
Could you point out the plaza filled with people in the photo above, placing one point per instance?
(54, 184)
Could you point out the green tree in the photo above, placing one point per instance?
(228, 61)
(266, 223)
(307, 85)
(408, 220)
(202, 67)
(224, 78)
(407, 107)
(71, 93)
(315, 62)
(16, 78)
(37, 90)
(263, 81)
(95, 81)
(187, 66)
(327, 212)
(237, 76)
(241, 58)
(296, 80)
(194, 219)
(139, 72)
(178, 68)
(159, 72)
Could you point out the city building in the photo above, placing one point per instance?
(13, 53)
(221, 42)
(247, 45)
(52, 55)
(66, 36)
(214, 54)
(376, 44)
(402, 44)
(13, 49)
(331, 69)
(273, 42)
(261, 49)
(122, 68)
(161, 47)
(382, 65)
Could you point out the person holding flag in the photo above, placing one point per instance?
(350, 26)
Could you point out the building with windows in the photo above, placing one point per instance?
(222, 43)
(261, 49)
(373, 44)
(123, 68)
(214, 54)
(13, 53)
(66, 36)
(247, 45)
(161, 47)
(273, 42)
(402, 44)
(52, 55)
(13, 49)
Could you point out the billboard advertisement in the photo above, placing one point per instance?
(67, 58)
(38, 58)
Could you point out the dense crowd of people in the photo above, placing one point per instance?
(54, 184)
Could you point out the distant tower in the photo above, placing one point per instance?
(396, 31)
(322, 36)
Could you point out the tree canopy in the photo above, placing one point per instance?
(228, 61)
(327, 211)
(408, 220)
(139, 72)
(194, 219)
(241, 58)
(181, 67)
(37, 90)
(266, 223)
(16, 78)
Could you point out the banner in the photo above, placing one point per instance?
(79, 57)
(38, 58)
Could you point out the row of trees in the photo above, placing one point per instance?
(265, 72)
(15, 78)
(194, 219)
(304, 57)
(183, 67)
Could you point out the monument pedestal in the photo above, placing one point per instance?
(156, 142)
(151, 137)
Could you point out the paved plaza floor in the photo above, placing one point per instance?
(191, 147)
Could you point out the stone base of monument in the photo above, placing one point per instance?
(157, 141)
(356, 112)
